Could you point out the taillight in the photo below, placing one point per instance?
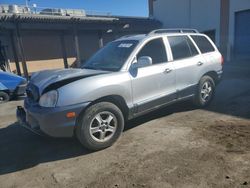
(222, 60)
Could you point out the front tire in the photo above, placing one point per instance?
(100, 126)
(4, 97)
(205, 92)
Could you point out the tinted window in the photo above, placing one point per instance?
(180, 47)
(204, 45)
(154, 49)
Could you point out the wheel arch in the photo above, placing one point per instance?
(114, 99)
(213, 75)
(3, 88)
(6, 91)
(117, 100)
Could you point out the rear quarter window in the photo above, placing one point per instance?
(203, 44)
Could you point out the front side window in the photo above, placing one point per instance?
(112, 57)
(154, 49)
(182, 47)
(203, 43)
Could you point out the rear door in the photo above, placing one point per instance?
(153, 85)
(187, 63)
(209, 52)
(205, 47)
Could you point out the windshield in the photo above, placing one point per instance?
(112, 57)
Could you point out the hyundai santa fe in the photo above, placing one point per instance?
(130, 76)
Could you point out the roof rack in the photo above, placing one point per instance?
(159, 31)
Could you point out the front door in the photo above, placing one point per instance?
(153, 85)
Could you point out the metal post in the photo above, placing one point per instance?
(64, 51)
(78, 55)
(100, 37)
(13, 45)
(224, 26)
(150, 8)
(21, 51)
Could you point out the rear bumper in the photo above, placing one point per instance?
(49, 121)
(219, 73)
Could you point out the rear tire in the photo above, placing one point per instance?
(205, 92)
(4, 97)
(100, 126)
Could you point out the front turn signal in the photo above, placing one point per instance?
(71, 115)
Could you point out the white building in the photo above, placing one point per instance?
(227, 22)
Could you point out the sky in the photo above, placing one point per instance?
(115, 7)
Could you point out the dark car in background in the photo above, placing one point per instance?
(11, 86)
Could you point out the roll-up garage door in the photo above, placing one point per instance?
(242, 34)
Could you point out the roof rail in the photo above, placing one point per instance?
(158, 31)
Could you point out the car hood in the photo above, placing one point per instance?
(10, 81)
(8, 75)
(53, 79)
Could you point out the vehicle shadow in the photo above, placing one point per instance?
(233, 93)
(175, 108)
(20, 149)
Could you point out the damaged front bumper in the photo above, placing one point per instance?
(49, 121)
(21, 118)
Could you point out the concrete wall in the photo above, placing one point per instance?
(203, 15)
(172, 13)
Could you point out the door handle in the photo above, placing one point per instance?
(167, 71)
(200, 63)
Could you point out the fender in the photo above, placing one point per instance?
(92, 88)
(3, 87)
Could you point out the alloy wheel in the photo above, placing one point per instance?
(103, 126)
(206, 91)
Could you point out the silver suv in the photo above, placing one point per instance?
(129, 77)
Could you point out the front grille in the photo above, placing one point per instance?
(32, 93)
(21, 89)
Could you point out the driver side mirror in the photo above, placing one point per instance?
(143, 61)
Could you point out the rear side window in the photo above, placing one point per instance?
(203, 43)
(182, 47)
(154, 49)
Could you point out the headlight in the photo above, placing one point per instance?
(49, 99)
